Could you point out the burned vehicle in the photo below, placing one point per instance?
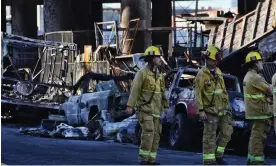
(184, 127)
(98, 103)
(95, 93)
(36, 76)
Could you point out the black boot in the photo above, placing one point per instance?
(256, 163)
(265, 163)
(260, 163)
(153, 163)
(143, 163)
(209, 163)
(221, 161)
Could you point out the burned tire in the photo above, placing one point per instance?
(181, 133)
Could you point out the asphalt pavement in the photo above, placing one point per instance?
(19, 149)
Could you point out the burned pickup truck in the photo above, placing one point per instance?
(185, 129)
(94, 93)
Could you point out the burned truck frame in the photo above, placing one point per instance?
(35, 74)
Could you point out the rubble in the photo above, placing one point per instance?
(123, 131)
(66, 131)
(62, 131)
(35, 132)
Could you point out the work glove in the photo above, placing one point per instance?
(166, 110)
(230, 109)
(202, 116)
(163, 117)
(129, 110)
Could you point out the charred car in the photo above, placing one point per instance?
(184, 128)
(95, 93)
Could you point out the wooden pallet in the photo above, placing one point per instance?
(245, 31)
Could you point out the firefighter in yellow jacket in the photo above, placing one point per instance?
(274, 99)
(256, 94)
(148, 97)
(213, 108)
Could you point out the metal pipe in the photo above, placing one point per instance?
(195, 34)
(174, 23)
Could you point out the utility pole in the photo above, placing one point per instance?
(174, 23)
(195, 34)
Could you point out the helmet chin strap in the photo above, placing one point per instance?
(152, 67)
(257, 68)
(209, 67)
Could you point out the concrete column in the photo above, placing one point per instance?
(71, 15)
(132, 9)
(57, 15)
(24, 21)
(65, 15)
(3, 16)
(83, 17)
(85, 14)
(161, 17)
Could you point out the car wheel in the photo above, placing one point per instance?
(181, 134)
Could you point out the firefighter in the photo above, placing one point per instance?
(256, 94)
(212, 105)
(274, 99)
(148, 98)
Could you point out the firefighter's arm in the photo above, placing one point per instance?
(163, 90)
(226, 94)
(199, 85)
(135, 89)
(260, 83)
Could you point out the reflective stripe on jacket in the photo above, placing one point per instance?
(205, 88)
(143, 86)
(255, 96)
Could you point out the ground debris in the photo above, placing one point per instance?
(35, 132)
(123, 131)
(62, 131)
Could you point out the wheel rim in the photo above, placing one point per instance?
(175, 131)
